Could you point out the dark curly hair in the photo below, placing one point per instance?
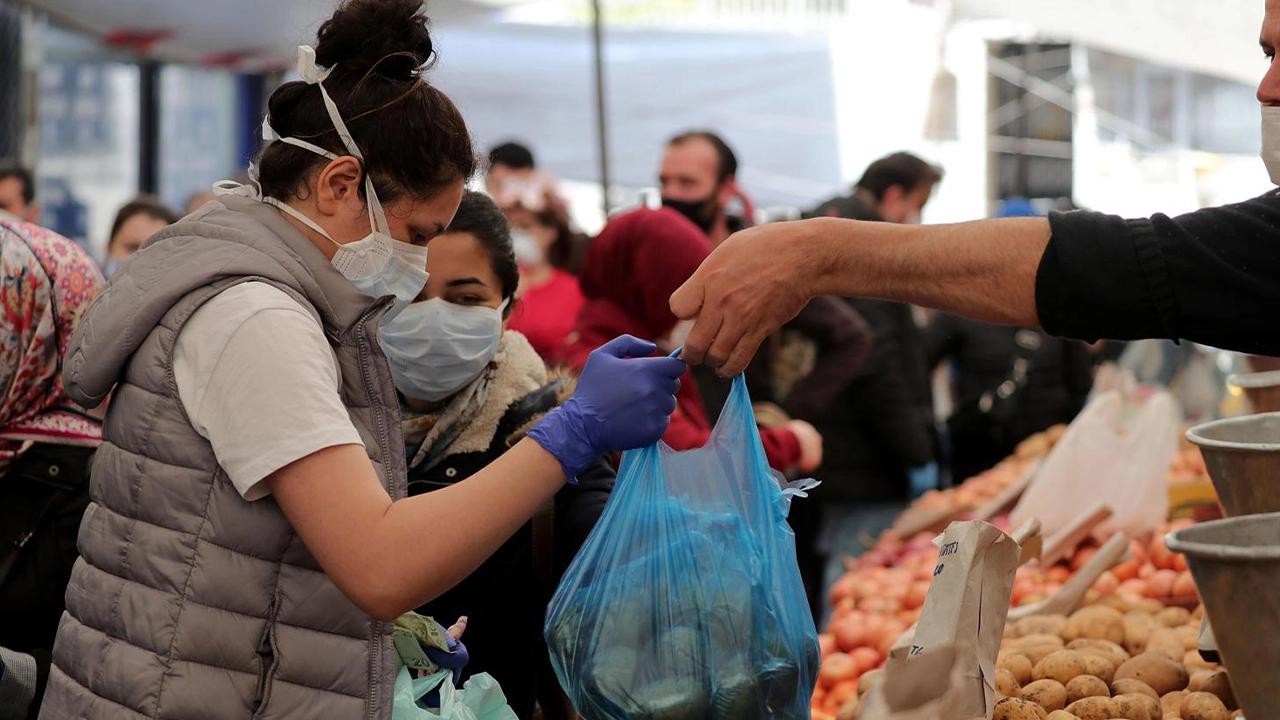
(414, 141)
(479, 216)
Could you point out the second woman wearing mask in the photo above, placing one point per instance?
(469, 390)
(550, 296)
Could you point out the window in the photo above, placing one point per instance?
(198, 126)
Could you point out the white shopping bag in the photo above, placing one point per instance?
(1115, 452)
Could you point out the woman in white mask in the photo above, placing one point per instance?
(457, 422)
(250, 538)
(550, 296)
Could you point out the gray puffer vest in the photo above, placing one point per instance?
(187, 601)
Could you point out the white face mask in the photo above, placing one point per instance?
(377, 264)
(435, 347)
(527, 250)
(1271, 141)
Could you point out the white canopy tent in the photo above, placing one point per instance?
(805, 104)
(244, 31)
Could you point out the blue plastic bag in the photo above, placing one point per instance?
(685, 602)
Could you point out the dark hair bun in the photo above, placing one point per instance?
(377, 50)
(390, 37)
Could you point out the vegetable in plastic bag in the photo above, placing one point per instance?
(686, 602)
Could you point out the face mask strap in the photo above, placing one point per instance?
(285, 208)
(314, 74)
(308, 68)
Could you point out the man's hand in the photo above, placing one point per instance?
(751, 285)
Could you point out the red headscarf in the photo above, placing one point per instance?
(631, 270)
(46, 282)
(636, 262)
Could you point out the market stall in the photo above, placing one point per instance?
(1102, 619)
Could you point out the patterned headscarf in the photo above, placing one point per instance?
(46, 282)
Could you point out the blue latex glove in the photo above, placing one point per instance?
(624, 400)
(923, 479)
(457, 657)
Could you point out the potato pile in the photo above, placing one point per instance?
(1119, 659)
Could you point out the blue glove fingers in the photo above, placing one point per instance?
(666, 405)
(625, 346)
(665, 366)
(455, 662)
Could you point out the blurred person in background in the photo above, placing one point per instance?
(197, 200)
(631, 269)
(883, 442)
(46, 444)
(254, 410)
(511, 167)
(699, 179)
(549, 297)
(893, 189)
(137, 220)
(18, 193)
(1009, 382)
(513, 180)
(457, 422)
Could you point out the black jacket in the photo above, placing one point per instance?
(42, 498)
(981, 357)
(1211, 276)
(881, 426)
(505, 599)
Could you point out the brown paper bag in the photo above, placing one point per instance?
(967, 604)
(930, 687)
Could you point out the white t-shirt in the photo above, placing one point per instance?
(259, 381)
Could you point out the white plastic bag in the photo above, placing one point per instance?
(1114, 452)
(480, 698)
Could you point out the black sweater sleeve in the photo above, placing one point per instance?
(1211, 276)
(579, 506)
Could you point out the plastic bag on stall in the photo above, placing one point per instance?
(686, 600)
(479, 699)
(1115, 453)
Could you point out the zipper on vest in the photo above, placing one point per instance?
(268, 659)
(384, 443)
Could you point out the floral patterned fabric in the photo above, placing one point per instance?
(46, 283)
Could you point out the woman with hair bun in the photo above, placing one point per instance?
(250, 540)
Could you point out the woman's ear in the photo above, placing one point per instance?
(338, 187)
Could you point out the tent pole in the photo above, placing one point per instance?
(602, 127)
